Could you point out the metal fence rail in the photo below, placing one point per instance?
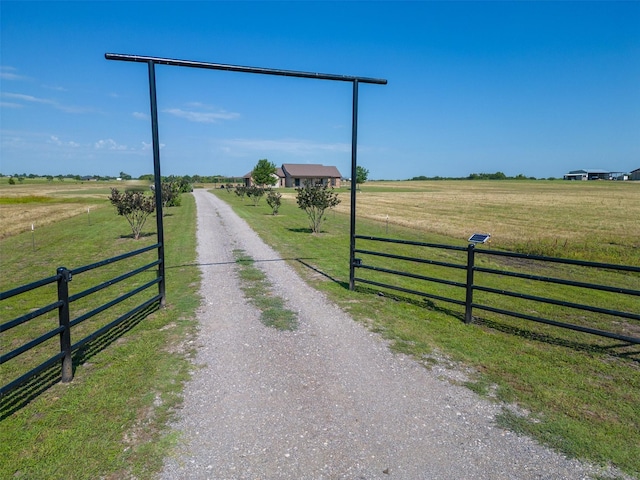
(62, 278)
(469, 286)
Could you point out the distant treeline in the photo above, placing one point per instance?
(481, 176)
(124, 176)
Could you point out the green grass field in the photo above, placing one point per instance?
(581, 392)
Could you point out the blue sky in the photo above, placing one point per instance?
(537, 88)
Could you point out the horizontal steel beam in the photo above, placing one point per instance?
(238, 68)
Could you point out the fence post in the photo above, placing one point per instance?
(468, 313)
(64, 277)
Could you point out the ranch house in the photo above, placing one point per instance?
(296, 174)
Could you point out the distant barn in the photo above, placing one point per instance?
(588, 175)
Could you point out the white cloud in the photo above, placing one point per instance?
(9, 73)
(55, 87)
(289, 146)
(56, 141)
(45, 101)
(148, 146)
(140, 116)
(109, 144)
(27, 98)
(11, 105)
(202, 117)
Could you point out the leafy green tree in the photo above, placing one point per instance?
(263, 172)
(135, 206)
(361, 175)
(274, 200)
(315, 199)
(125, 176)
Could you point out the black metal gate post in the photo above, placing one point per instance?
(157, 179)
(468, 311)
(354, 166)
(64, 277)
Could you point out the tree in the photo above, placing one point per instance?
(134, 206)
(314, 199)
(263, 172)
(361, 175)
(125, 176)
(274, 200)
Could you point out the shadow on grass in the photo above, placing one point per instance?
(26, 392)
(326, 275)
(142, 235)
(619, 349)
(622, 350)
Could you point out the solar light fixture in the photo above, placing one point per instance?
(479, 238)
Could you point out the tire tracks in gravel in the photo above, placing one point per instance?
(328, 400)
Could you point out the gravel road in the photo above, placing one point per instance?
(329, 400)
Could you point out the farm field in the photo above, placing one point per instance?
(589, 220)
(580, 393)
(39, 203)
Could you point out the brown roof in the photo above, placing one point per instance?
(310, 170)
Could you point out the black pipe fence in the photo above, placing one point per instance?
(63, 301)
(469, 277)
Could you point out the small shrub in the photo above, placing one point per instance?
(314, 199)
(171, 194)
(255, 193)
(134, 206)
(240, 190)
(274, 200)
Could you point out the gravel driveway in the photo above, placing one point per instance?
(329, 400)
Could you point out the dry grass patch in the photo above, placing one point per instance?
(45, 203)
(18, 218)
(569, 218)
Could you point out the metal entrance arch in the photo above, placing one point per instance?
(151, 63)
